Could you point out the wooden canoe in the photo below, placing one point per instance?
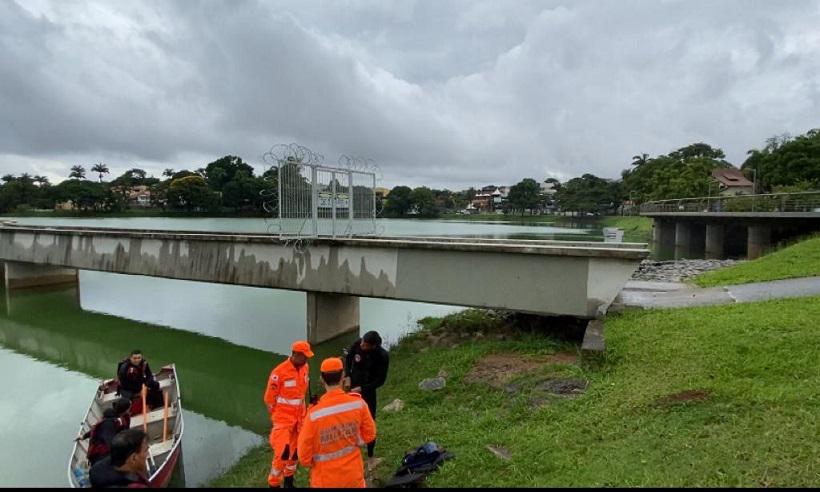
(163, 455)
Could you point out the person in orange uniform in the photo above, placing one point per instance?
(334, 430)
(285, 399)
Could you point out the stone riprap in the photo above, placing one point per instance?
(678, 270)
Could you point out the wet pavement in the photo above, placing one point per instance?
(649, 295)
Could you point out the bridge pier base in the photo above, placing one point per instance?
(683, 240)
(331, 315)
(759, 242)
(714, 241)
(23, 275)
(663, 237)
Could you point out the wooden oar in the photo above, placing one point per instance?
(144, 409)
(165, 417)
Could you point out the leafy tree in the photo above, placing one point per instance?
(77, 172)
(100, 169)
(191, 193)
(423, 200)
(524, 196)
(589, 194)
(168, 173)
(399, 201)
(224, 170)
(684, 173)
(85, 195)
(786, 161)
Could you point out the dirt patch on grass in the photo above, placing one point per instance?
(684, 396)
(497, 369)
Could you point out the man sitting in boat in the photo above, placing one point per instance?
(132, 373)
(125, 466)
(115, 419)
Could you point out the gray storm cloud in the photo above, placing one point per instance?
(440, 93)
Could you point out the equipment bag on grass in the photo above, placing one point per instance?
(417, 464)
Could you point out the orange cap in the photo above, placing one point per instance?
(302, 347)
(332, 364)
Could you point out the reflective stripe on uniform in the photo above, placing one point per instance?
(296, 401)
(334, 409)
(274, 472)
(334, 455)
(290, 383)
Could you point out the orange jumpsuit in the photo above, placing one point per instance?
(285, 398)
(329, 442)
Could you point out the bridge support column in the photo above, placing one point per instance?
(683, 240)
(714, 241)
(22, 275)
(331, 315)
(663, 237)
(759, 242)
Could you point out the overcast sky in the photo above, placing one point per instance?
(444, 93)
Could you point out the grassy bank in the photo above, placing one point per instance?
(636, 229)
(798, 260)
(717, 396)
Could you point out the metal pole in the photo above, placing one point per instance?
(279, 192)
(373, 214)
(350, 201)
(314, 201)
(333, 203)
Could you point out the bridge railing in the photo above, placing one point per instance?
(805, 202)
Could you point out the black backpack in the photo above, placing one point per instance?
(417, 464)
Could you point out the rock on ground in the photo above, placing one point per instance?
(394, 406)
(433, 384)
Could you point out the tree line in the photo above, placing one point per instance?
(229, 185)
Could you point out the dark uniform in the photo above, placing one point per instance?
(103, 433)
(105, 475)
(131, 379)
(367, 370)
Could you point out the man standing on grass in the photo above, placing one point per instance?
(366, 370)
(285, 399)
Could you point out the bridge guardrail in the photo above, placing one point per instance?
(803, 202)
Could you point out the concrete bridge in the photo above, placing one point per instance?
(578, 279)
(743, 225)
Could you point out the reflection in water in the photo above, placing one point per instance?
(219, 379)
(266, 319)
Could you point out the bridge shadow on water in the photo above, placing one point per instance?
(218, 379)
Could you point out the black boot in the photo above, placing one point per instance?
(288, 483)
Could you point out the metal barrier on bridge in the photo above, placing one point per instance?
(803, 202)
(315, 200)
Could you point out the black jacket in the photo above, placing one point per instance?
(132, 377)
(104, 475)
(366, 369)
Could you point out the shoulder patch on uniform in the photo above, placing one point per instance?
(274, 377)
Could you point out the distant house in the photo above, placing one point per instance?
(483, 202)
(140, 196)
(732, 182)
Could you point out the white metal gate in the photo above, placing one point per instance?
(315, 200)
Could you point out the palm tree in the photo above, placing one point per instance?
(41, 181)
(168, 173)
(100, 169)
(26, 178)
(77, 172)
(8, 178)
(640, 160)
